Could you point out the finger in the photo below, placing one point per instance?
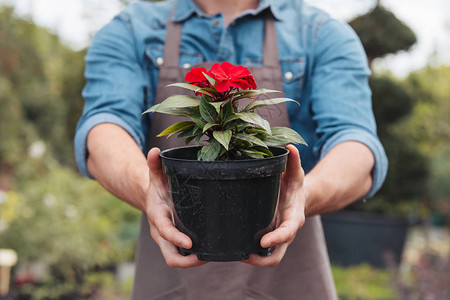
(292, 217)
(157, 177)
(294, 165)
(285, 233)
(272, 260)
(174, 259)
(170, 253)
(160, 220)
(154, 165)
(171, 234)
(153, 160)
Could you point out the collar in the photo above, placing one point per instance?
(184, 9)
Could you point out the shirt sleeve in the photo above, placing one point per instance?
(341, 97)
(115, 89)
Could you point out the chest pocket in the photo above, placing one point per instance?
(187, 59)
(293, 71)
(153, 61)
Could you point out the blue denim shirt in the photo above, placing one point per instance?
(323, 64)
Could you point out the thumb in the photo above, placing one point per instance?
(294, 165)
(154, 162)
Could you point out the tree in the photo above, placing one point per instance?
(381, 33)
(428, 128)
(406, 183)
(46, 78)
(48, 212)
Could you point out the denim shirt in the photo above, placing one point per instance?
(323, 65)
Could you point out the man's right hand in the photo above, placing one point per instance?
(159, 214)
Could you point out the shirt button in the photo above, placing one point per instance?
(217, 22)
(288, 75)
(186, 66)
(159, 61)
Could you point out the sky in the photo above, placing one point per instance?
(76, 21)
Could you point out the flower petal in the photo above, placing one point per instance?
(222, 86)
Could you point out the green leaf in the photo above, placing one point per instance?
(242, 125)
(222, 152)
(254, 154)
(255, 119)
(212, 91)
(190, 87)
(210, 152)
(209, 125)
(207, 111)
(282, 136)
(195, 134)
(169, 111)
(218, 105)
(198, 121)
(189, 139)
(175, 128)
(230, 118)
(175, 101)
(253, 93)
(257, 130)
(210, 79)
(223, 137)
(226, 111)
(261, 103)
(197, 139)
(251, 139)
(265, 150)
(188, 131)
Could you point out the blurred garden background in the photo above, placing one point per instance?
(75, 241)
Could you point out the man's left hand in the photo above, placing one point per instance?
(291, 213)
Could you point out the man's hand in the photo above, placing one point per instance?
(159, 215)
(291, 213)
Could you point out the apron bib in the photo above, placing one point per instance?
(304, 272)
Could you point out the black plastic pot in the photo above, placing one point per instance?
(225, 207)
(356, 237)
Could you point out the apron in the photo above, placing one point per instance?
(304, 272)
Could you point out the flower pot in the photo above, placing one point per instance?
(225, 207)
(356, 237)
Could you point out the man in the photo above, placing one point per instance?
(319, 61)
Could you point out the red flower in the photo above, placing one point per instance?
(228, 75)
(196, 77)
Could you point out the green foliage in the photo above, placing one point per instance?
(69, 224)
(428, 128)
(406, 184)
(428, 276)
(407, 181)
(96, 285)
(45, 78)
(232, 132)
(362, 282)
(381, 33)
(428, 124)
(416, 140)
(391, 102)
(14, 136)
(49, 214)
(57, 216)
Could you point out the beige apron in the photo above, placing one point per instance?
(304, 272)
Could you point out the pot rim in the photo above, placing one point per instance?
(163, 153)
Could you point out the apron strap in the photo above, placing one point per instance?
(171, 54)
(270, 44)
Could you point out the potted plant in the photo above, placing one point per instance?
(225, 188)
